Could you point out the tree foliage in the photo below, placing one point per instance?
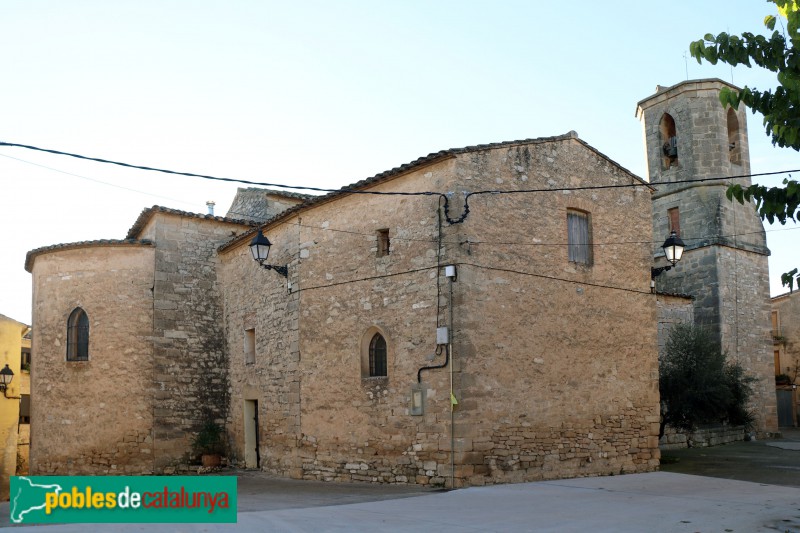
(778, 52)
(698, 385)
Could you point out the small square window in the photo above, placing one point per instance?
(250, 346)
(383, 242)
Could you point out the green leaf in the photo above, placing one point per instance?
(769, 22)
(788, 279)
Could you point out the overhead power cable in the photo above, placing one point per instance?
(460, 219)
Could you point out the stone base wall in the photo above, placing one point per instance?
(702, 438)
(512, 454)
(133, 455)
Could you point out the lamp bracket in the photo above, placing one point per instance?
(655, 272)
(282, 270)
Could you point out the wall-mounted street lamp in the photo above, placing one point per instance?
(259, 247)
(673, 251)
(6, 375)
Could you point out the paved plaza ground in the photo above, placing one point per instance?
(741, 487)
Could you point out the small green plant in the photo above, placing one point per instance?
(210, 439)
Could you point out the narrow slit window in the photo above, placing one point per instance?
(579, 236)
(383, 242)
(250, 346)
(78, 336)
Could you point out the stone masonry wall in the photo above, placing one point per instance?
(189, 353)
(555, 364)
(258, 300)
(77, 407)
(746, 331)
(672, 310)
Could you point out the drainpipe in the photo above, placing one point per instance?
(452, 396)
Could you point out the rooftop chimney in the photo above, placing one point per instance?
(210, 204)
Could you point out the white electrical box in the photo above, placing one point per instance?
(441, 335)
(450, 271)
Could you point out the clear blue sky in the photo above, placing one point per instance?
(318, 93)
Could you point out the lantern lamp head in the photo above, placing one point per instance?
(259, 247)
(6, 375)
(673, 248)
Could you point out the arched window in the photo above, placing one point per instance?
(78, 336)
(734, 143)
(377, 356)
(669, 141)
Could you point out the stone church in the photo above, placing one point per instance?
(450, 339)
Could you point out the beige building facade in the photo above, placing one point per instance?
(127, 360)
(313, 374)
(480, 315)
(508, 404)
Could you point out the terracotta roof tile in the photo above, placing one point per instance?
(148, 213)
(31, 256)
(422, 161)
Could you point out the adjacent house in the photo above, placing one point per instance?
(12, 353)
(786, 354)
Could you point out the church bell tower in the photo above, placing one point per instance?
(690, 140)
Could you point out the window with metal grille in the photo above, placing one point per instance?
(78, 336)
(377, 356)
(579, 237)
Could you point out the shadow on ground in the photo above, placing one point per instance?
(773, 461)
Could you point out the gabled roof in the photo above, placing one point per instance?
(666, 92)
(785, 295)
(33, 254)
(149, 212)
(9, 319)
(415, 165)
(285, 194)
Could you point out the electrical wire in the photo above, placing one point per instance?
(450, 220)
(101, 182)
(407, 239)
(554, 278)
(482, 267)
(433, 240)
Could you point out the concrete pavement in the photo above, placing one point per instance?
(653, 502)
(744, 487)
